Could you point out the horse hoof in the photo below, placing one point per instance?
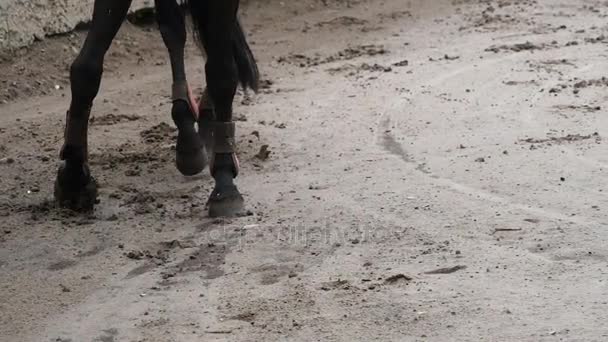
(75, 190)
(191, 163)
(190, 157)
(226, 204)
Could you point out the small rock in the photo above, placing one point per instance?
(403, 63)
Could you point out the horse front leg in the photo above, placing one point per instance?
(75, 188)
(216, 25)
(191, 157)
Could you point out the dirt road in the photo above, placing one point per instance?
(437, 172)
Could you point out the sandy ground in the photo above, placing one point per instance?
(438, 172)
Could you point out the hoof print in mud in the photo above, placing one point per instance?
(226, 204)
(75, 191)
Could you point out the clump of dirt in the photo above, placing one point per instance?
(264, 153)
(496, 14)
(160, 133)
(159, 258)
(397, 278)
(357, 69)
(570, 138)
(519, 47)
(596, 40)
(599, 82)
(583, 108)
(490, 17)
(112, 158)
(349, 53)
(342, 21)
(578, 85)
(340, 284)
(112, 119)
(395, 15)
(245, 317)
(447, 270)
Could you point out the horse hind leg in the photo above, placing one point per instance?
(75, 188)
(191, 156)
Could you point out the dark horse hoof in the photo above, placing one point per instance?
(75, 188)
(226, 203)
(190, 157)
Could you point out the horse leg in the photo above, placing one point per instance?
(222, 81)
(190, 154)
(75, 187)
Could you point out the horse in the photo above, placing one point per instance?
(206, 132)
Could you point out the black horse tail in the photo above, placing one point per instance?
(247, 68)
(249, 75)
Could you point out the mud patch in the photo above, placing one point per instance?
(353, 70)
(62, 265)
(520, 47)
(390, 144)
(349, 53)
(398, 278)
(599, 82)
(272, 274)
(155, 259)
(578, 108)
(342, 22)
(139, 270)
(496, 15)
(395, 15)
(126, 155)
(517, 83)
(91, 252)
(112, 119)
(209, 258)
(570, 138)
(245, 317)
(446, 270)
(339, 284)
(108, 335)
(161, 133)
